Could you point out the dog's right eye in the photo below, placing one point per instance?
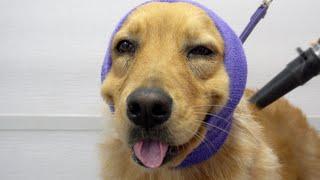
(200, 51)
(125, 46)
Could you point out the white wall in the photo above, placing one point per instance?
(50, 57)
(49, 155)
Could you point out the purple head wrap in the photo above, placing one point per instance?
(236, 67)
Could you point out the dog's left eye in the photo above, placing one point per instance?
(125, 46)
(200, 51)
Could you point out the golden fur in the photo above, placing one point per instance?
(275, 143)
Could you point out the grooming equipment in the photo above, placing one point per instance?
(255, 19)
(301, 70)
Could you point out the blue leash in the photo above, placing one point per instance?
(255, 19)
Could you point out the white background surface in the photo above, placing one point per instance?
(50, 58)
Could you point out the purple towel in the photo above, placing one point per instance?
(236, 66)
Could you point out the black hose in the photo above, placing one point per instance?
(297, 73)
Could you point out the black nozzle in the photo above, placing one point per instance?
(297, 73)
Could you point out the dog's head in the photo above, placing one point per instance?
(167, 75)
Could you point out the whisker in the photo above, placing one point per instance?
(218, 128)
(212, 126)
(208, 143)
(246, 115)
(212, 106)
(214, 115)
(200, 138)
(252, 134)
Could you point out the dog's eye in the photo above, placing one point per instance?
(125, 46)
(200, 51)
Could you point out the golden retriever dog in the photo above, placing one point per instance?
(167, 75)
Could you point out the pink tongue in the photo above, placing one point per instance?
(150, 153)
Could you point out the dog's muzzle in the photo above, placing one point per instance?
(148, 109)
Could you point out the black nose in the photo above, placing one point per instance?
(148, 107)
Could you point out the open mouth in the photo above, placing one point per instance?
(153, 153)
(152, 149)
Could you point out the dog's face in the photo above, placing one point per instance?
(167, 73)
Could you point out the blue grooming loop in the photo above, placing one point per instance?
(255, 19)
